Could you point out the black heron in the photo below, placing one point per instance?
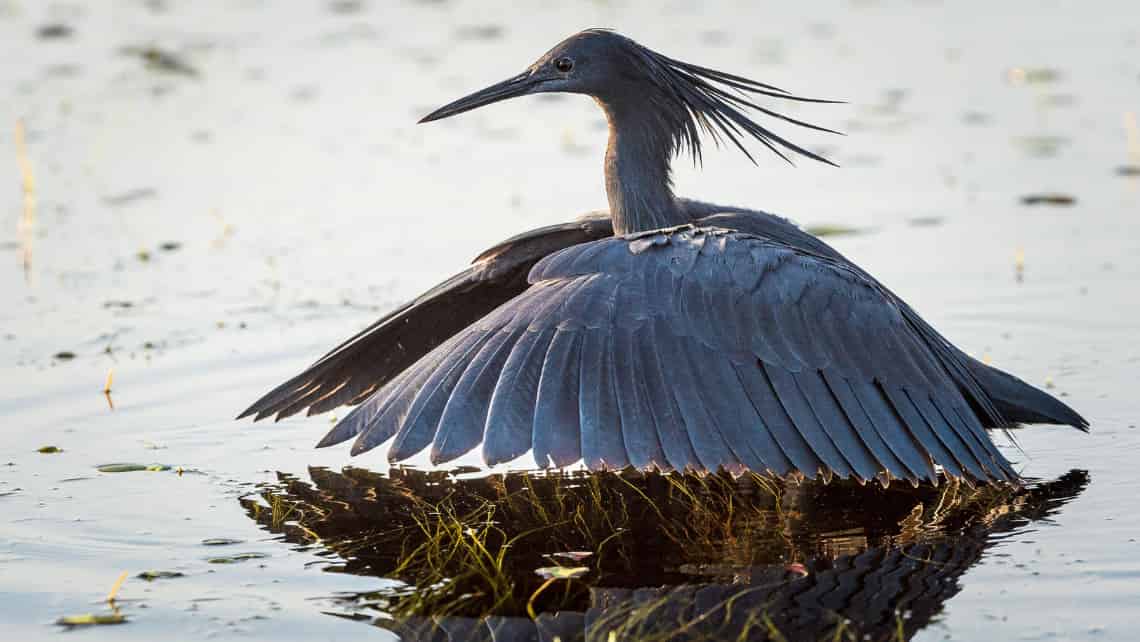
(667, 333)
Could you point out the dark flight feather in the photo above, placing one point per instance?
(555, 435)
(639, 429)
(717, 400)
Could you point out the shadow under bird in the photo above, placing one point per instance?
(667, 333)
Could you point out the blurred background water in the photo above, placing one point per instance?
(204, 197)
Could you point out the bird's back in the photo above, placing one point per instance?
(692, 348)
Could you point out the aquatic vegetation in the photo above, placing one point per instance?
(150, 576)
(221, 541)
(646, 556)
(129, 197)
(88, 619)
(234, 559)
(1032, 75)
(161, 60)
(1050, 198)
(96, 619)
(54, 31)
(131, 468)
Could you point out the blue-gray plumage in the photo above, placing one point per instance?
(667, 333)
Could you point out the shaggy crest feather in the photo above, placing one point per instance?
(699, 99)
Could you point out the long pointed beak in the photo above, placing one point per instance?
(510, 88)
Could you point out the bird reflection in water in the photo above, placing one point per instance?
(572, 556)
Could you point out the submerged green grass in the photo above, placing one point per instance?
(649, 556)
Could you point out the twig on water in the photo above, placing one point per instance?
(115, 588)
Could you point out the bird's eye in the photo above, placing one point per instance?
(564, 64)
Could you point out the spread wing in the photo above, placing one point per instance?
(692, 348)
(358, 367)
(362, 364)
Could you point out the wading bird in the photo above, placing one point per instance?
(667, 333)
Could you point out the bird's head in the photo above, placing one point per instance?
(681, 99)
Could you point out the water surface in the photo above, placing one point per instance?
(224, 190)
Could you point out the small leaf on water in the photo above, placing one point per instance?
(130, 468)
(561, 572)
(49, 450)
(88, 619)
(1048, 199)
(1031, 75)
(150, 576)
(221, 541)
(233, 559)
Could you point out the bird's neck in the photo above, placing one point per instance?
(638, 182)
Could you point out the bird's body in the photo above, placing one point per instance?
(666, 333)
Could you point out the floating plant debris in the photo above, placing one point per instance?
(1031, 75)
(91, 619)
(55, 31)
(49, 450)
(151, 576)
(131, 468)
(1048, 199)
(161, 61)
(128, 197)
(234, 559)
(221, 541)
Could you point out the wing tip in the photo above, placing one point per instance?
(259, 409)
(330, 439)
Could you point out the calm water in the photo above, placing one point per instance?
(224, 190)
